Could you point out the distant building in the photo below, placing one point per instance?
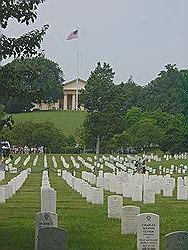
(45, 106)
(68, 99)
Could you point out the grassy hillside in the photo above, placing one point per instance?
(66, 121)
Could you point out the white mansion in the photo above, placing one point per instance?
(68, 99)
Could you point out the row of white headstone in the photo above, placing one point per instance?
(143, 187)
(183, 156)
(48, 194)
(92, 194)
(145, 225)
(75, 164)
(85, 163)
(127, 164)
(18, 159)
(26, 161)
(54, 161)
(48, 216)
(9, 189)
(128, 161)
(65, 164)
(35, 160)
(138, 187)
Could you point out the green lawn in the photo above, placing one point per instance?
(88, 225)
(67, 121)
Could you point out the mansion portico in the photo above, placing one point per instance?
(67, 100)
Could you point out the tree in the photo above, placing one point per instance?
(38, 78)
(35, 134)
(132, 116)
(146, 133)
(120, 142)
(24, 11)
(184, 74)
(27, 45)
(100, 100)
(129, 95)
(5, 121)
(175, 139)
(98, 93)
(166, 92)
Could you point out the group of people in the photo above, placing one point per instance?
(140, 166)
(27, 150)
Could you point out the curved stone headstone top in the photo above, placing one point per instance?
(52, 238)
(148, 231)
(176, 240)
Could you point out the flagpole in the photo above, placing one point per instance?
(77, 71)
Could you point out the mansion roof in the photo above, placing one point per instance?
(71, 85)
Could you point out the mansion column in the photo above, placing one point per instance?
(73, 102)
(65, 102)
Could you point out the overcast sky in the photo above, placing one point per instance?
(137, 37)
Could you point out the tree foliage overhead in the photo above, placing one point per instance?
(27, 45)
(24, 11)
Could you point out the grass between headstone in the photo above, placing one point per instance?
(88, 225)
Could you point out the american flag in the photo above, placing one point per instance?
(72, 35)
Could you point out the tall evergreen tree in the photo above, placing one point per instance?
(100, 100)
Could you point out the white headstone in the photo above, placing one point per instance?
(182, 193)
(97, 196)
(149, 196)
(148, 231)
(48, 199)
(129, 219)
(137, 193)
(167, 190)
(115, 204)
(127, 192)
